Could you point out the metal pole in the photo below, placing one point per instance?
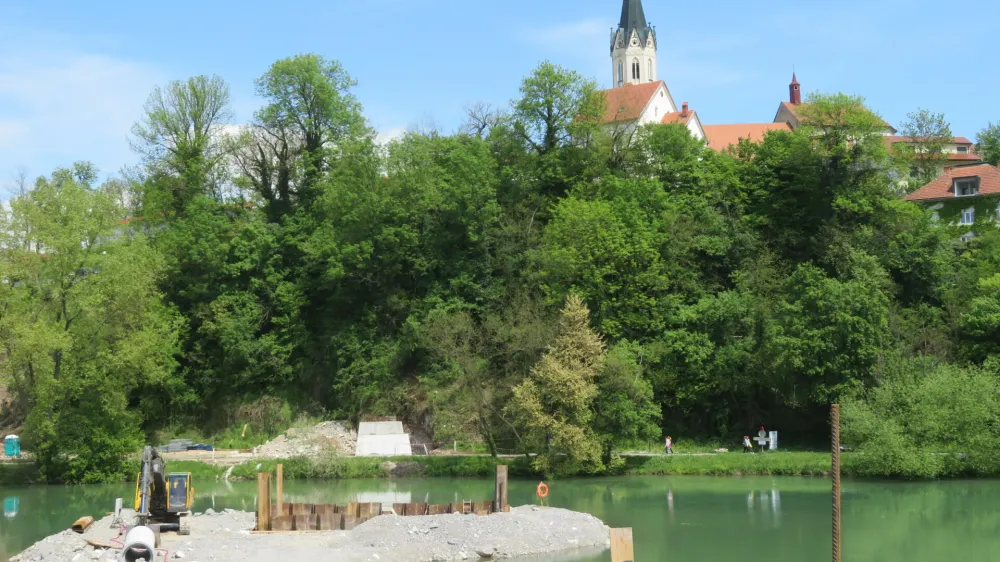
(835, 472)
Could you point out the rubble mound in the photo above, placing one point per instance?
(323, 438)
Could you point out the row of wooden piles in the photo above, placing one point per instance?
(282, 516)
(332, 517)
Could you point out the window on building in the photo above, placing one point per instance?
(649, 70)
(968, 216)
(621, 73)
(635, 69)
(935, 216)
(967, 237)
(962, 149)
(966, 187)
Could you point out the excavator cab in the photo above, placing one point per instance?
(163, 499)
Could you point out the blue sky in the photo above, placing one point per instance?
(74, 75)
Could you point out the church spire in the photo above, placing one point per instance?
(633, 46)
(634, 17)
(795, 91)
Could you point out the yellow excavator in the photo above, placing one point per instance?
(162, 500)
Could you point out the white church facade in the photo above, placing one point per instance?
(639, 97)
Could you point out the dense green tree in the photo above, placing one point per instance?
(310, 119)
(988, 144)
(84, 330)
(553, 406)
(181, 141)
(927, 134)
(625, 408)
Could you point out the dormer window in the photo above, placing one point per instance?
(962, 149)
(966, 187)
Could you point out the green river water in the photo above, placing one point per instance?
(673, 519)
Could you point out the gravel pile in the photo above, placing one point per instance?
(524, 531)
(226, 537)
(314, 441)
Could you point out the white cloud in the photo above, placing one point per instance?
(60, 106)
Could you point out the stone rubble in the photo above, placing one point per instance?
(326, 437)
(226, 537)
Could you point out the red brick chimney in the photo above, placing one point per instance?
(684, 109)
(795, 91)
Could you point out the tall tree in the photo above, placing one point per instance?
(926, 135)
(84, 329)
(554, 405)
(309, 120)
(555, 105)
(988, 144)
(180, 138)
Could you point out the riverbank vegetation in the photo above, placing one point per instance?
(537, 282)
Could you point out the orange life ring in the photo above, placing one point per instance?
(542, 490)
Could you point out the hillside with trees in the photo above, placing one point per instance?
(532, 283)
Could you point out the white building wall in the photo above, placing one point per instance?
(659, 105)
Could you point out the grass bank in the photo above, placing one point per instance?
(786, 463)
(731, 464)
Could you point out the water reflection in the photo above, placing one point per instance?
(10, 507)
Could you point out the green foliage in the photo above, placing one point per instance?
(625, 408)
(85, 332)
(928, 134)
(988, 144)
(926, 420)
(553, 405)
(299, 270)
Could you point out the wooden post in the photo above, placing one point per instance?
(835, 473)
(281, 489)
(621, 545)
(501, 489)
(263, 502)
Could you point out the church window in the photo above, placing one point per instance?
(649, 73)
(621, 73)
(635, 69)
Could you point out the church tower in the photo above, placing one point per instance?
(633, 47)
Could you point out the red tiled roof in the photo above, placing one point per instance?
(626, 103)
(892, 139)
(943, 186)
(721, 137)
(970, 156)
(677, 117)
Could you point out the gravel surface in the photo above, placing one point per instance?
(225, 537)
(311, 441)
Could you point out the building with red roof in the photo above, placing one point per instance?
(963, 196)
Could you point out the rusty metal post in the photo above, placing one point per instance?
(835, 473)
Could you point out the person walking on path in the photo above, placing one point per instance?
(747, 447)
(669, 445)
